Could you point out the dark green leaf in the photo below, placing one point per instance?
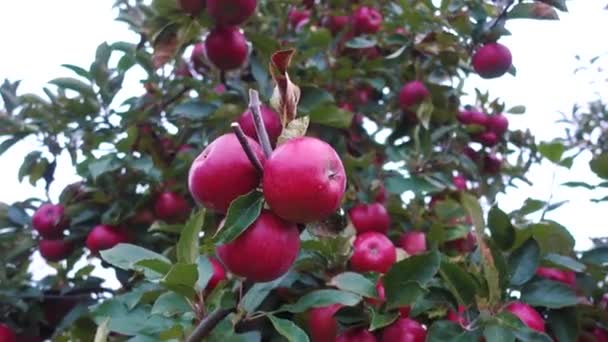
(320, 298)
(330, 115)
(257, 293)
(579, 185)
(354, 282)
(519, 329)
(360, 43)
(552, 151)
(242, 213)
(188, 244)
(501, 228)
(549, 294)
(170, 304)
(495, 332)
(597, 256)
(599, 165)
(78, 70)
(8, 143)
(193, 110)
(446, 331)
(563, 324)
(288, 329)
(404, 280)
(532, 11)
(313, 97)
(73, 84)
(552, 237)
(380, 320)
(399, 184)
(523, 262)
(153, 269)
(565, 261)
(126, 256)
(181, 279)
(205, 271)
(530, 206)
(459, 281)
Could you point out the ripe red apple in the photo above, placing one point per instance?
(335, 23)
(528, 315)
(491, 164)
(413, 242)
(104, 237)
(373, 251)
(492, 60)
(564, 276)
(487, 138)
(222, 172)
(473, 117)
(356, 335)
(230, 12)
(55, 250)
(304, 180)
(498, 124)
(219, 274)
(381, 194)
(362, 95)
(458, 317)
(404, 330)
(271, 120)
(192, 7)
(265, 251)
(366, 20)
(226, 47)
(463, 245)
(198, 58)
(460, 182)
(143, 217)
(471, 153)
(322, 326)
(370, 218)
(7, 334)
(49, 221)
(298, 18)
(171, 207)
(182, 70)
(412, 94)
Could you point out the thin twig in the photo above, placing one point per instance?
(206, 325)
(254, 106)
(502, 15)
(246, 147)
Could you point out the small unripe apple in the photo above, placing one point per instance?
(104, 237)
(356, 335)
(226, 47)
(230, 12)
(55, 250)
(564, 276)
(192, 7)
(412, 94)
(498, 124)
(487, 138)
(7, 334)
(198, 58)
(413, 242)
(335, 23)
(49, 221)
(322, 326)
(528, 315)
(271, 120)
(265, 251)
(373, 252)
(404, 330)
(460, 182)
(370, 218)
(171, 207)
(219, 274)
(304, 180)
(366, 20)
(492, 60)
(222, 172)
(491, 164)
(298, 18)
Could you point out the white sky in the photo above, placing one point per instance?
(38, 36)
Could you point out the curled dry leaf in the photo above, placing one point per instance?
(286, 94)
(294, 129)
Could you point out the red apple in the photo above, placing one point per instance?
(473, 117)
(171, 207)
(304, 180)
(491, 164)
(322, 326)
(226, 47)
(143, 217)
(528, 315)
(381, 194)
(373, 251)
(335, 23)
(104, 237)
(219, 274)
(55, 250)
(463, 245)
(498, 124)
(7, 334)
(487, 138)
(230, 12)
(412, 94)
(356, 335)
(49, 221)
(362, 95)
(183, 70)
(366, 20)
(564, 276)
(458, 317)
(471, 153)
(222, 172)
(413, 242)
(308, 3)
(192, 7)
(198, 58)
(492, 60)
(298, 18)
(460, 182)
(370, 218)
(404, 330)
(271, 120)
(599, 335)
(265, 251)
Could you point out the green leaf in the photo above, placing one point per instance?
(360, 43)
(77, 70)
(243, 211)
(532, 11)
(188, 244)
(599, 165)
(193, 110)
(399, 184)
(560, 5)
(523, 262)
(552, 151)
(257, 293)
(205, 271)
(8, 143)
(181, 279)
(495, 332)
(320, 298)
(288, 329)
(565, 262)
(312, 97)
(530, 206)
(380, 320)
(517, 110)
(126, 256)
(170, 304)
(511, 322)
(597, 256)
(579, 185)
(356, 283)
(460, 282)
(403, 282)
(330, 115)
(73, 84)
(563, 323)
(153, 269)
(501, 228)
(448, 331)
(548, 293)
(552, 237)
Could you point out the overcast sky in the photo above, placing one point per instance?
(37, 36)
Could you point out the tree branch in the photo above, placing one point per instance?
(207, 324)
(246, 147)
(254, 106)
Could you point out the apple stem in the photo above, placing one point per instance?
(238, 131)
(254, 106)
(207, 324)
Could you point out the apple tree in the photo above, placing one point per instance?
(292, 170)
